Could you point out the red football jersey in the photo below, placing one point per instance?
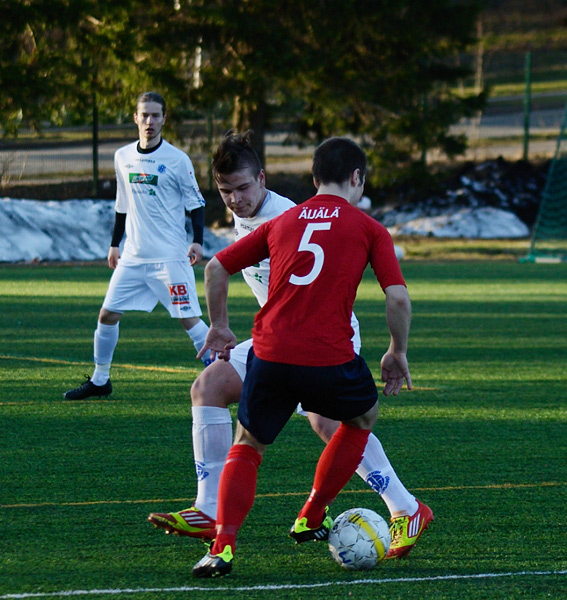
(318, 253)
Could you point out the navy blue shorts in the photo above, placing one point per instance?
(271, 392)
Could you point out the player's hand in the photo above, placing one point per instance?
(113, 256)
(195, 253)
(220, 341)
(394, 370)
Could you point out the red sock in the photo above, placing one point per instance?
(237, 489)
(337, 464)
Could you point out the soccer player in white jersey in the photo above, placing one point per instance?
(241, 183)
(155, 186)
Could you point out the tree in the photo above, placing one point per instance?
(57, 55)
(27, 55)
(388, 78)
(381, 70)
(246, 51)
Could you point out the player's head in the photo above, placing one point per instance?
(235, 153)
(151, 97)
(339, 161)
(150, 118)
(241, 181)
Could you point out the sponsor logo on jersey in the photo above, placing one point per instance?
(319, 213)
(161, 168)
(145, 178)
(256, 274)
(179, 293)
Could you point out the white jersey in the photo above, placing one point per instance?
(154, 189)
(257, 277)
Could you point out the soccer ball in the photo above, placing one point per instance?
(359, 539)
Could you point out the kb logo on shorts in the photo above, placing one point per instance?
(178, 293)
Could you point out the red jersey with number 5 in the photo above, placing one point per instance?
(318, 253)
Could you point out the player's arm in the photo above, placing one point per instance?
(117, 235)
(245, 252)
(194, 203)
(220, 338)
(398, 317)
(195, 253)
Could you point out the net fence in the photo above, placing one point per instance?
(549, 236)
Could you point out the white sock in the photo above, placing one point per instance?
(212, 439)
(105, 340)
(376, 470)
(198, 333)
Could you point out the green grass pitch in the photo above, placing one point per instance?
(482, 439)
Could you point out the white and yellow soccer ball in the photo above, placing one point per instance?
(359, 539)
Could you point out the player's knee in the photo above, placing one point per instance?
(107, 317)
(367, 420)
(214, 388)
(324, 428)
(198, 392)
(189, 322)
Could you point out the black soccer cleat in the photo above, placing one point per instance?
(214, 565)
(88, 389)
(301, 533)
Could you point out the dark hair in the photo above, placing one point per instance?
(151, 97)
(235, 153)
(336, 159)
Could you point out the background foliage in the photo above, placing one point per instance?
(397, 74)
(380, 70)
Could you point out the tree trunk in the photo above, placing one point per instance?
(252, 115)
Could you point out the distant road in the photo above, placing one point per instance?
(76, 161)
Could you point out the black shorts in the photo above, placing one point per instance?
(272, 391)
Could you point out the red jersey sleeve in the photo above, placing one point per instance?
(247, 251)
(383, 259)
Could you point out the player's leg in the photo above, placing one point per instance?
(237, 490)
(345, 392)
(335, 467)
(197, 330)
(409, 517)
(263, 411)
(217, 386)
(174, 286)
(126, 291)
(105, 342)
(375, 469)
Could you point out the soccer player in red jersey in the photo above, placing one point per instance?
(241, 182)
(302, 349)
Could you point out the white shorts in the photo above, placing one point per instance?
(238, 356)
(141, 287)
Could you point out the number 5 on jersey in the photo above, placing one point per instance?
(319, 255)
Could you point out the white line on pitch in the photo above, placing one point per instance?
(252, 588)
